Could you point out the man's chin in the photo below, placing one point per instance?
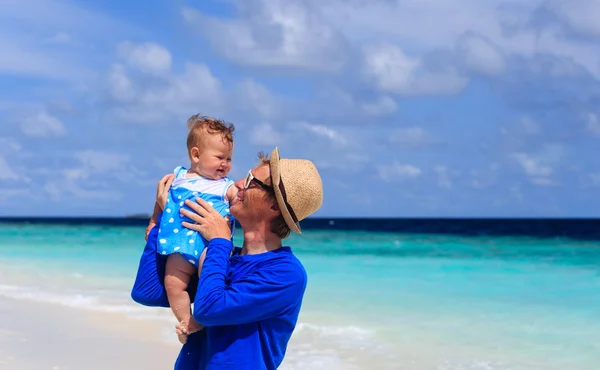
(233, 207)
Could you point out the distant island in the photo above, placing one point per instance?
(144, 216)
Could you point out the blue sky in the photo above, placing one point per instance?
(451, 108)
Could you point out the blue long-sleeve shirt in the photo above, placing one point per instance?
(249, 305)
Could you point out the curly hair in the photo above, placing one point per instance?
(202, 125)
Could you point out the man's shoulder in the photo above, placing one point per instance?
(279, 261)
(287, 261)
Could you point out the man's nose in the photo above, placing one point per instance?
(240, 184)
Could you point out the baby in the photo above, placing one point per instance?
(210, 146)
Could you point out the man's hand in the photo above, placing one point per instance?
(162, 190)
(150, 227)
(153, 220)
(162, 194)
(208, 221)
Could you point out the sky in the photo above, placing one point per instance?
(412, 108)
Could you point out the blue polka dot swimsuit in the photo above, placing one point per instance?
(172, 236)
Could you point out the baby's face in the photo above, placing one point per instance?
(214, 162)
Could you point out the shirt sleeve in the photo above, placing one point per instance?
(270, 290)
(149, 288)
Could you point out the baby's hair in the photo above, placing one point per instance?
(202, 125)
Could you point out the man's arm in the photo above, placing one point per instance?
(265, 293)
(149, 288)
(153, 220)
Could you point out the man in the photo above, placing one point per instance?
(247, 298)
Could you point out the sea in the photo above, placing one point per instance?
(415, 294)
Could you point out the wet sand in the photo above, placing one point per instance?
(38, 336)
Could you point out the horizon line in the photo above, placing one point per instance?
(143, 216)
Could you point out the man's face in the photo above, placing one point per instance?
(253, 202)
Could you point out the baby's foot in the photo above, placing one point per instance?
(181, 334)
(182, 337)
(193, 326)
(189, 326)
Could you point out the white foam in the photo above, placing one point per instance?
(341, 332)
(313, 346)
(472, 365)
(81, 301)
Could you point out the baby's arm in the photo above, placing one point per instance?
(231, 193)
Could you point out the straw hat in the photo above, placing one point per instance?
(298, 188)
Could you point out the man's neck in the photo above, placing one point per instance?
(260, 240)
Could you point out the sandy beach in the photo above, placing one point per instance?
(38, 336)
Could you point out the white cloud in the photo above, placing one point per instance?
(391, 70)
(480, 55)
(254, 97)
(94, 177)
(412, 137)
(61, 16)
(312, 34)
(444, 179)
(382, 106)
(530, 126)
(335, 137)
(42, 124)
(274, 33)
(20, 58)
(580, 16)
(485, 177)
(28, 50)
(531, 165)
(423, 26)
(541, 165)
(266, 134)
(9, 143)
(337, 149)
(61, 190)
(165, 98)
(99, 162)
(148, 57)
(346, 162)
(399, 171)
(7, 173)
(8, 195)
(543, 181)
(60, 38)
(120, 86)
(592, 124)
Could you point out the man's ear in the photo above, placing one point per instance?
(275, 207)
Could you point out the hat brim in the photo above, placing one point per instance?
(276, 180)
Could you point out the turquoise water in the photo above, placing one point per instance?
(374, 300)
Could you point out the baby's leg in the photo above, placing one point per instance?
(177, 277)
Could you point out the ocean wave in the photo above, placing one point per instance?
(314, 345)
(80, 301)
(335, 330)
(473, 365)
